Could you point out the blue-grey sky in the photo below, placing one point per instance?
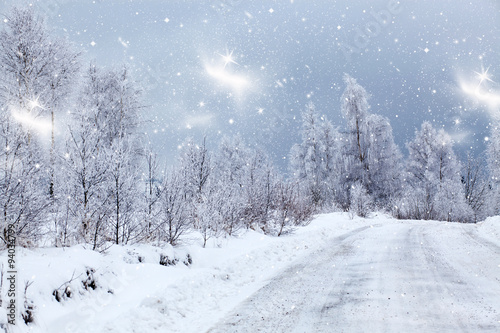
(232, 66)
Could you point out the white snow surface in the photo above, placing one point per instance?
(336, 274)
(490, 228)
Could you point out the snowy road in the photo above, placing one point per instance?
(404, 277)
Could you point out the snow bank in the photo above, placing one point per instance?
(127, 290)
(490, 228)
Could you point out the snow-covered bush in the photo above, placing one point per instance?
(166, 261)
(62, 293)
(28, 311)
(450, 204)
(413, 204)
(90, 281)
(361, 201)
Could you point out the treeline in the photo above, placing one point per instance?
(74, 167)
(358, 168)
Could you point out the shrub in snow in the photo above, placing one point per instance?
(173, 260)
(188, 261)
(285, 196)
(90, 281)
(166, 261)
(302, 210)
(61, 294)
(291, 208)
(450, 204)
(133, 257)
(28, 313)
(413, 204)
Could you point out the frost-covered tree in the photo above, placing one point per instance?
(332, 142)
(230, 208)
(258, 188)
(355, 109)
(235, 188)
(449, 204)
(65, 70)
(361, 201)
(291, 208)
(229, 178)
(306, 157)
(384, 161)
(493, 153)
(195, 165)
(39, 72)
(285, 201)
(230, 161)
(27, 66)
(314, 161)
(101, 159)
(152, 180)
(121, 119)
(207, 213)
(370, 155)
(173, 216)
(433, 178)
(476, 186)
(22, 200)
(122, 184)
(87, 171)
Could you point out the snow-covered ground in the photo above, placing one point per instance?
(490, 228)
(336, 274)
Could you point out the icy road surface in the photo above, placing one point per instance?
(405, 277)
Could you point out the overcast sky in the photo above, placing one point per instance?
(232, 66)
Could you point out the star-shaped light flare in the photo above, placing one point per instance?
(483, 76)
(489, 96)
(228, 58)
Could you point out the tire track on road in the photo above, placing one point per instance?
(276, 309)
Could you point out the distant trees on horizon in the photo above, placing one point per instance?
(360, 169)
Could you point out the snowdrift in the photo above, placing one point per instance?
(146, 288)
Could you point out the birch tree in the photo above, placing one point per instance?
(493, 157)
(434, 182)
(314, 162)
